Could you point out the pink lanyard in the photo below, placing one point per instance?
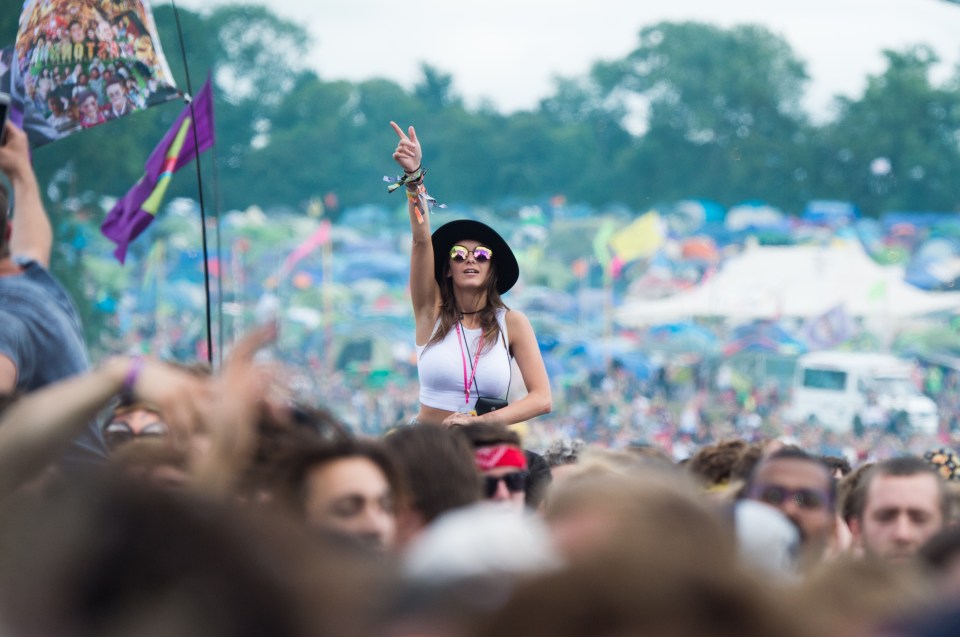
(463, 357)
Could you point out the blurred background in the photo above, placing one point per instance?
(692, 211)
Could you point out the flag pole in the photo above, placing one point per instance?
(203, 215)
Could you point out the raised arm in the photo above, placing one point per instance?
(424, 292)
(35, 429)
(32, 235)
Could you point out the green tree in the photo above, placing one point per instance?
(723, 113)
(896, 148)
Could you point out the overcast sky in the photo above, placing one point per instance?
(509, 51)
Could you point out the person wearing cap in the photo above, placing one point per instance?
(465, 334)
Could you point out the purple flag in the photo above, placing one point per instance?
(128, 218)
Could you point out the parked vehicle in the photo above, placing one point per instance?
(847, 391)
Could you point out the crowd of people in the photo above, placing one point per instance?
(142, 497)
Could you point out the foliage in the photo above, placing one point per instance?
(695, 111)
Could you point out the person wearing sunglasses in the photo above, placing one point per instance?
(131, 422)
(801, 487)
(466, 336)
(501, 462)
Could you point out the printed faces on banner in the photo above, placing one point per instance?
(80, 63)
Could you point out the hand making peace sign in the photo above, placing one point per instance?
(408, 154)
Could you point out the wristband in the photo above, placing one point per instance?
(415, 177)
(130, 380)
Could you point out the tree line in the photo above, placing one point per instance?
(694, 111)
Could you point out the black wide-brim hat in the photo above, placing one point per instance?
(447, 236)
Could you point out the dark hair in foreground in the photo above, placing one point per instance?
(301, 461)
(437, 466)
(110, 558)
(486, 435)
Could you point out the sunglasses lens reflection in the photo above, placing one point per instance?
(481, 253)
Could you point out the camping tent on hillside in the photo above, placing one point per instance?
(794, 281)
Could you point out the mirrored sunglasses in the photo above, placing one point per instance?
(777, 496)
(119, 433)
(516, 482)
(481, 253)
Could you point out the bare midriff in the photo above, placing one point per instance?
(432, 415)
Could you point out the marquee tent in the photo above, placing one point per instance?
(769, 282)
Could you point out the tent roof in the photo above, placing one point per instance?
(769, 282)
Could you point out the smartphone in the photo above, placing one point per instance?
(4, 116)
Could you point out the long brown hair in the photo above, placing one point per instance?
(450, 313)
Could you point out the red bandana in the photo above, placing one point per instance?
(499, 456)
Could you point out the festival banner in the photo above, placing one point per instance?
(81, 63)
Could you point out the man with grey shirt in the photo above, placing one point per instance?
(41, 338)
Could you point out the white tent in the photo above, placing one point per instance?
(794, 281)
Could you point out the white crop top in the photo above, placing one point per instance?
(440, 367)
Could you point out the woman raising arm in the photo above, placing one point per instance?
(465, 333)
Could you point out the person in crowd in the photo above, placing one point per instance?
(562, 455)
(59, 117)
(501, 461)
(153, 461)
(539, 478)
(615, 594)
(118, 104)
(36, 426)
(465, 334)
(133, 421)
(604, 500)
(713, 465)
(90, 114)
(898, 506)
(437, 466)
(348, 488)
(839, 466)
(941, 556)
(851, 596)
(41, 338)
(95, 83)
(801, 487)
(112, 558)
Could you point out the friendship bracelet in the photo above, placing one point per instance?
(415, 177)
(418, 197)
(130, 380)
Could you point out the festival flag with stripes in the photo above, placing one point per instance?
(192, 133)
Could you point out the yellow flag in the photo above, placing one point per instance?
(640, 239)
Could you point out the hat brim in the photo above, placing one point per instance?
(447, 235)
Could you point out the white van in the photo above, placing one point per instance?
(847, 390)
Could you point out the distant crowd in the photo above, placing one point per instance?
(141, 497)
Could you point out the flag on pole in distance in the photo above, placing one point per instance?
(192, 133)
(320, 237)
(640, 239)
